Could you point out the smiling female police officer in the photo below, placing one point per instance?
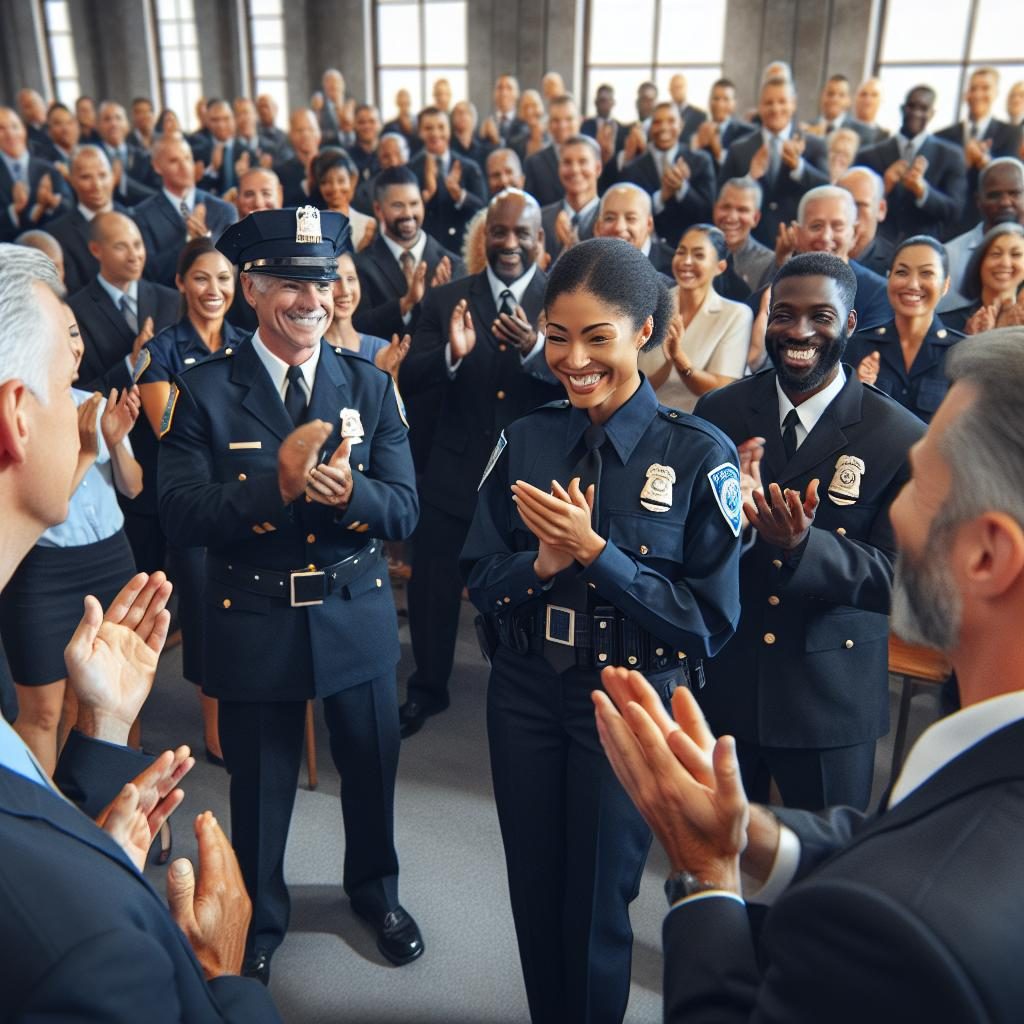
(648, 579)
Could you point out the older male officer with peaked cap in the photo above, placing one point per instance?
(288, 460)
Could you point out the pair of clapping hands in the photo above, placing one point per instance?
(300, 471)
(780, 516)
(111, 662)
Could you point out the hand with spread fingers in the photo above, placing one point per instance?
(390, 359)
(561, 522)
(461, 332)
(442, 272)
(781, 517)
(119, 415)
(759, 163)
(516, 330)
(330, 483)
(684, 782)
(750, 452)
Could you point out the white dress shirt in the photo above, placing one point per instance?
(278, 368)
(811, 410)
(415, 250)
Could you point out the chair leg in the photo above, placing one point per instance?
(906, 696)
(310, 746)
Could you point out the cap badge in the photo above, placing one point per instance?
(307, 225)
(657, 493)
(845, 486)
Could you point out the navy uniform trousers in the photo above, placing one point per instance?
(574, 843)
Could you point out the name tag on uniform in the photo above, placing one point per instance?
(243, 445)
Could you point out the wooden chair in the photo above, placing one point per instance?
(920, 669)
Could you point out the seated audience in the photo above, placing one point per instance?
(405, 122)
(367, 137)
(393, 151)
(603, 128)
(708, 337)
(304, 139)
(85, 114)
(47, 245)
(143, 123)
(223, 156)
(834, 116)
(63, 133)
(465, 141)
(134, 177)
(906, 358)
(32, 108)
(441, 91)
(991, 280)
(167, 124)
(533, 137)
(504, 126)
(272, 138)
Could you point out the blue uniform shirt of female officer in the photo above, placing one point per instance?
(179, 346)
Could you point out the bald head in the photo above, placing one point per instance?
(91, 178)
(32, 107)
(504, 170)
(304, 134)
(625, 213)
(114, 240)
(47, 245)
(259, 189)
(513, 235)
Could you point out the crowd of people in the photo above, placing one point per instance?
(662, 397)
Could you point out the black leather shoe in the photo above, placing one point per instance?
(411, 716)
(257, 965)
(398, 935)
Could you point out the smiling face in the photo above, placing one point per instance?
(208, 287)
(626, 214)
(12, 133)
(695, 263)
(531, 109)
(918, 109)
(506, 93)
(722, 103)
(563, 121)
(143, 117)
(346, 289)
(221, 121)
(665, 127)
(400, 211)
(503, 171)
(808, 325)
(835, 99)
(463, 119)
(981, 94)
(63, 128)
(92, 180)
(777, 106)
(258, 189)
(592, 348)
(336, 186)
(304, 134)
(119, 249)
(1001, 195)
(736, 215)
(293, 315)
(827, 226)
(916, 281)
(1002, 268)
(513, 237)
(435, 133)
(868, 100)
(172, 160)
(113, 126)
(578, 170)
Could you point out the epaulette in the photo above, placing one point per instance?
(558, 403)
(217, 357)
(686, 419)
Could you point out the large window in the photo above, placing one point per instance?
(416, 43)
(938, 44)
(633, 41)
(181, 83)
(61, 51)
(266, 44)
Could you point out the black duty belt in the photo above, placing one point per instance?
(299, 587)
(601, 637)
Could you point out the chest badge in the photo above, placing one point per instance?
(351, 425)
(845, 486)
(657, 493)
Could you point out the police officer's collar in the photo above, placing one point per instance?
(626, 426)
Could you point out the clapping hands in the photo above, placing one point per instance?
(562, 523)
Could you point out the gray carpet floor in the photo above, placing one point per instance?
(328, 970)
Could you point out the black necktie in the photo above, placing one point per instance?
(588, 469)
(294, 397)
(508, 303)
(789, 433)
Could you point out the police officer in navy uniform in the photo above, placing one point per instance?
(803, 686)
(289, 461)
(649, 578)
(906, 357)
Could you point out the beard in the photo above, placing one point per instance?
(828, 359)
(925, 604)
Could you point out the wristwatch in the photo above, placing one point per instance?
(681, 884)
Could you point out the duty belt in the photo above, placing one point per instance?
(299, 587)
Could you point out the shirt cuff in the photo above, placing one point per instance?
(538, 347)
(924, 197)
(449, 365)
(613, 571)
(681, 191)
(798, 172)
(459, 204)
(708, 894)
(784, 868)
(407, 319)
(657, 203)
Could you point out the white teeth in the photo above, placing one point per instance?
(585, 382)
(800, 355)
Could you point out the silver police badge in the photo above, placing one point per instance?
(845, 486)
(657, 493)
(307, 225)
(351, 425)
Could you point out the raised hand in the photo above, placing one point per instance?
(635, 144)
(760, 162)
(298, 454)
(453, 182)
(461, 333)
(369, 234)
(19, 197)
(606, 140)
(782, 518)
(389, 359)
(330, 483)
(560, 520)
(750, 452)
(46, 198)
(793, 150)
(868, 367)
(213, 912)
(111, 659)
(983, 319)
(894, 174)
(550, 560)
(489, 131)
(119, 415)
(913, 180)
(978, 152)
(316, 102)
(1011, 314)
(429, 178)
(217, 160)
(88, 434)
(195, 226)
(141, 338)
(564, 232)
(416, 287)
(515, 330)
(442, 272)
(242, 164)
(785, 241)
(673, 178)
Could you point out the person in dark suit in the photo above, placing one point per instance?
(240, 472)
(304, 139)
(614, 136)
(866, 103)
(32, 191)
(625, 212)
(504, 126)
(94, 935)
(247, 132)
(453, 187)
(981, 136)
(924, 176)
(143, 123)
(93, 184)
(542, 168)
(835, 114)
(477, 340)
(334, 109)
(178, 212)
(804, 684)
(465, 141)
(393, 151)
(690, 118)
(736, 214)
(113, 308)
(722, 128)
(848, 936)
(405, 123)
(32, 108)
(871, 249)
(784, 163)
(85, 114)
(364, 150)
(136, 179)
(272, 139)
(571, 220)
(63, 136)
(680, 181)
(225, 156)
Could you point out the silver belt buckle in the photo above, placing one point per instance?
(297, 593)
(569, 622)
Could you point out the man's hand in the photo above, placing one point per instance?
(673, 178)
(195, 226)
(415, 286)
(242, 164)
(781, 518)
(606, 140)
(369, 234)
(88, 435)
(316, 102)
(214, 913)
(707, 136)
(138, 812)
(750, 452)
(429, 189)
(685, 784)
(453, 182)
(442, 272)
(119, 415)
(146, 334)
(635, 144)
(330, 483)
(564, 232)
(978, 152)
(560, 520)
(516, 330)
(913, 180)
(461, 333)
(19, 197)
(389, 359)
(298, 454)
(760, 162)
(785, 241)
(217, 158)
(793, 150)
(489, 131)
(894, 174)
(983, 319)
(868, 367)
(47, 199)
(112, 658)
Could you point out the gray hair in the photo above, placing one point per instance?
(826, 192)
(25, 339)
(984, 447)
(403, 145)
(873, 176)
(745, 184)
(1000, 161)
(620, 185)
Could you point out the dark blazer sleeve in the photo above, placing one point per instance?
(90, 772)
(424, 366)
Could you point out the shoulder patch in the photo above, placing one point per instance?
(725, 485)
(495, 455)
(168, 417)
(145, 357)
(400, 403)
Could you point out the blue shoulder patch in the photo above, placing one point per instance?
(725, 485)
